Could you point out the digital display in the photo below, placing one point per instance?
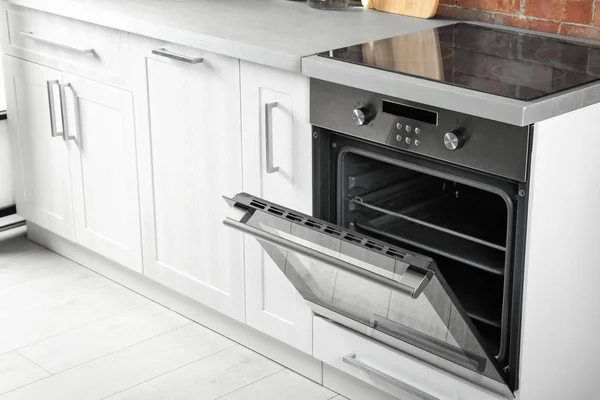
(418, 114)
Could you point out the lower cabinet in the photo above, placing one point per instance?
(75, 154)
(277, 166)
(103, 169)
(190, 155)
(384, 368)
(41, 160)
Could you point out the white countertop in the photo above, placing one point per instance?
(287, 34)
(277, 33)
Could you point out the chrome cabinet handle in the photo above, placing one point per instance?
(35, 38)
(52, 104)
(178, 57)
(63, 103)
(351, 359)
(269, 137)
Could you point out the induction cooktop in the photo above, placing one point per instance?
(512, 64)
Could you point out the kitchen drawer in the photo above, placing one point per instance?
(385, 368)
(69, 45)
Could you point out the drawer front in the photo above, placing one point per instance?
(70, 45)
(387, 369)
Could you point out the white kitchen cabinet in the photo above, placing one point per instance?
(81, 185)
(42, 173)
(190, 155)
(104, 169)
(275, 102)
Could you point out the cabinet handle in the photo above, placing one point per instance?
(269, 137)
(351, 359)
(63, 103)
(52, 104)
(178, 57)
(35, 38)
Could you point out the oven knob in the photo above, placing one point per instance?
(454, 140)
(362, 116)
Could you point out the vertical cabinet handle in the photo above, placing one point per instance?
(52, 104)
(269, 137)
(63, 100)
(351, 359)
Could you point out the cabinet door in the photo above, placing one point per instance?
(41, 159)
(276, 168)
(191, 156)
(100, 131)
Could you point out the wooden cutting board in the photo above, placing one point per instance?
(411, 8)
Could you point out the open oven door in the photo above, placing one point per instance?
(390, 294)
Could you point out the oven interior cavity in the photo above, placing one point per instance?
(465, 228)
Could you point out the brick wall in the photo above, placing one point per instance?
(579, 18)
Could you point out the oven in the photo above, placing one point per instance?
(418, 231)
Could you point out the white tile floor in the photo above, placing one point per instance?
(68, 333)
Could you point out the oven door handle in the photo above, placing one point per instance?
(352, 360)
(418, 280)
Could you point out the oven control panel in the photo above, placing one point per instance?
(462, 139)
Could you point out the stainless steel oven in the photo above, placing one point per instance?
(418, 230)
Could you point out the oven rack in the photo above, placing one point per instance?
(438, 241)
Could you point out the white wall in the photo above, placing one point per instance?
(6, 188)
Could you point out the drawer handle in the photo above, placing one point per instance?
(35, 38)
(52, 104)
(178, 57)
(351, 359)
(269, 137)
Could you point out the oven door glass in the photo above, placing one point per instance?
(384, 289)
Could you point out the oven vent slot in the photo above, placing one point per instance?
(258, 204)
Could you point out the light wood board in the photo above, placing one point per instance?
(411, 8)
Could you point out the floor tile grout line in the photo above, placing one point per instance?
(77, 327)
(170, 371)
(117, 350)
(33, 362)
(97, 358)
(251, 383)
(31, 254)
(36, 279)
(51, 303)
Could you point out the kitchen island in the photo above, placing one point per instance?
(131, 119)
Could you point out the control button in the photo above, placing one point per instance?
(417, 142)
(398, 126)
(454, 140)
(417, 131)
(399, 138)
(407, 140)
(362, 115)
(408, 128)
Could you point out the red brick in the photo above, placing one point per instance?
(584, 32)
(449, 2)
(578, 11)
(507, 6)
(597, 13)
(464, 13)
(527, 23)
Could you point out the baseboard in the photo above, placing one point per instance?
(278, 351)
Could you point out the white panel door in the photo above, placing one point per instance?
(279, 99)
(190, 155)
(103, 169)
(43, 181)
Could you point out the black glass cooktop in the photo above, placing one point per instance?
(518, 65)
